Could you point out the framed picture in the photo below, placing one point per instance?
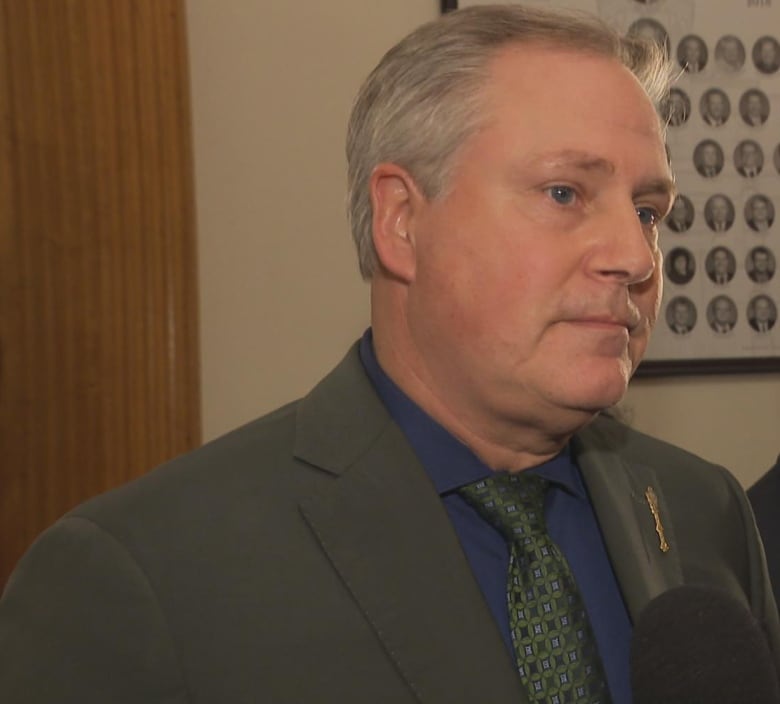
(721, 241)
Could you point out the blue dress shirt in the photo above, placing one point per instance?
(568, 514)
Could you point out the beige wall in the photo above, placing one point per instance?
(280, 298)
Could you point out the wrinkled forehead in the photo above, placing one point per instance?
(533, 67)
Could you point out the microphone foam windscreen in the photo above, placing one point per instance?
(699, 645)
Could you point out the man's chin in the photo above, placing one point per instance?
(600, 385)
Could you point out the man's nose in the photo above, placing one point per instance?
(626, 249)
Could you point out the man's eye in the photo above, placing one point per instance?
(562, 194)
(648, 216)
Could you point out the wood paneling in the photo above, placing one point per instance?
(98, 335)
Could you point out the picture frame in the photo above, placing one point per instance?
(720, 312)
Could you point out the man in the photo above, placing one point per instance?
(681, 315)
(715, 108)
(652, 30)
(722, 314)
(336, 550)
(719, 213)
(730, 53)
(760, 265)
(762, 313)
(759, 213)
(720, 265)
(692, 53)
(766, 54)
(708, 158)
(678, 108)
(680, 217)
(754, 107)
(748, 158)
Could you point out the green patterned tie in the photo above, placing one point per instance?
(554, 645)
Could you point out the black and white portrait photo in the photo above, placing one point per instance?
(653, 30)
(762, 313)
(754, 107)
(714, 107)
(708, 158)
(766, 54)
(719, 212)
(748, 158)
(678, 107)
(692, 53)
(680, 265)
(681, 315)
(722, 314)
(680, 217)
(759, 213)
(760, 265)
(729, 53)
(720, 265)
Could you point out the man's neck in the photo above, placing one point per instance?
(510, 444)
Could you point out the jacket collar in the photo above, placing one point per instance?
(382, 524)
(386, 532)
(632, 511)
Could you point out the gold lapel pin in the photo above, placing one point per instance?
(652, 502)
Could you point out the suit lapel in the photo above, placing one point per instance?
(386, 532)
(618, 491)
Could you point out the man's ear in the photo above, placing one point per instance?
(395, 199)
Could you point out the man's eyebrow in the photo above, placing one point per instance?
(574, 158)
(660, 186)
(588, 162)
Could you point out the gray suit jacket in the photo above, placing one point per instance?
(307, 558)
(764, 497)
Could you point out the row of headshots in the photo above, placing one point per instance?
(720, 265)
(715, 107)
(722, 314)
(730, 53)
(758, 213)
(709, 158)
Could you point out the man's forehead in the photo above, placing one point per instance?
(548, 52)
(535, 85)
(557, 75)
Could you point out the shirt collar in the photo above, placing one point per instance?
(448, 462)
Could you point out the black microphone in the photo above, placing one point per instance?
(699, 645)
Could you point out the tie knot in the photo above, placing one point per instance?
(512, 503)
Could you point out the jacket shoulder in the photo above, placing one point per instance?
(213, 468)
(607, 433)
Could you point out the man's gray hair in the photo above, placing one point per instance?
(422, 101)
